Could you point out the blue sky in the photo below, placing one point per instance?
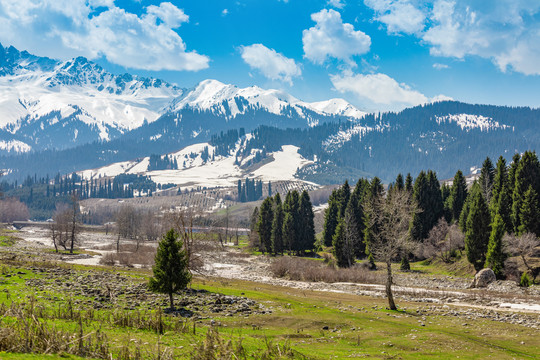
(377, 54)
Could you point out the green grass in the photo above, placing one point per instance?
(358, 326)
(7, 240)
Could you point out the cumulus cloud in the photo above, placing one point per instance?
(378, 89)
(270, 63)
(67, 28)
(331, 38)
(505, 31)
(399, 16)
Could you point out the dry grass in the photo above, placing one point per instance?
(310, 270)
(129, 255)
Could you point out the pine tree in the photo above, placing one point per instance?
(458, 195)
(477, 235)
(307, 224)
(527, 174)
(400, 185)
(171, 271)
(343, 251)
(409, 183)
(372, 199)
(486, 178)
(344, 194)
(500, 190)
(291, 221)
(529, 215)
(264, 225)
(331, 219)
(277, 229)
(495, 256)
(467, 206)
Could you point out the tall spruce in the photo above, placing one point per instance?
(409, 183)
(170, 270)
(399, 184)
(264, 226)
(343, 249)
(512, 172)
(372, 200)
(291, 221)
(478, 231)
(307, 223)
(475, 188)
(427, 195)
(496, 256)
(277, 229)
(529, 214)
(487, 174)
(527, 174)
(500, 203)
(331, 218)
(344, 195)
(458, 195)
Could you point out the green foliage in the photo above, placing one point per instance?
(458, 195)
(467, 206)
(405, 265)
(331, 218)
(529, 214)
(527, 175)
(277, 229)
(171, 271)
(264, 226)
(496, 256)
(342, 249)
(485, 180)
(477, 234)
(525, 280)
(306, 223)
(427, 195)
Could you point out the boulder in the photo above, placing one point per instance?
(483, 278)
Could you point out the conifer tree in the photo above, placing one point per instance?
(529, 215)
(289, 231)
(171, 271)
(291, 221)
(409, 183)
(527, 174)
(400, 185)
(467, 206)
(343, 251)
(331, 219)
(307, 224)
(478, 230)
(277, 229)
(264, 226)
(458, 195)
(487, 174)
(372, 223)
(495, 256)
(512, 172)
(344, 195)
(500, 189)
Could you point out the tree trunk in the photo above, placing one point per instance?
(389, 295)
(171, 300)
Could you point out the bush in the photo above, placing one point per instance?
(405, 266)
(525, 280)
(310, 270)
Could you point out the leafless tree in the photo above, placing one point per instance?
(443, 242)
(127, 224)
(65, 227)
(12, 209)
(151, 226)
(524, 247)
(389, 218)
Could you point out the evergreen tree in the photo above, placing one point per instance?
(372, 200)
(171, 271)
(291, 221)
(486, 178)
(400, 185)
(277, 229)
(409, 183)
(529, 215)
(331, 219)
(427, 195)
(344, 194)
(264, 226)
(467, 206)
(478, 230)
(343, 251)
(307, 224)
(458, 195)
(527, 174)
(500, 190)
(495, 256)
(512, 172)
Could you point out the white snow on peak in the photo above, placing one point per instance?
(14, 145)
(467, 122)
(230, 100)
(338, 107)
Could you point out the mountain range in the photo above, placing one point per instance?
(65, 116)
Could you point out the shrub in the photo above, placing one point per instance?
(525, 280)
(405, 266)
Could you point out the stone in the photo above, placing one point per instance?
(483, 278)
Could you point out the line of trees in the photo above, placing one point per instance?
(285, 226)
(494, 214)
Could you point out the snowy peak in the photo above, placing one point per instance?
(229, 101)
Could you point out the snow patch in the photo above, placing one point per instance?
(467, 122)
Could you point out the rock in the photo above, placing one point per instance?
(483, 278)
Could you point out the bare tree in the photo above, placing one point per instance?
(524, 247)
(12, 209)
(443, 241)
(127, 224)
(65, 227)
(389, 218)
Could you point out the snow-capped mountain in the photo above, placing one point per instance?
(50, 104)
(230, 101)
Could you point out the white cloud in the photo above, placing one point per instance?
(331, 38)
(399, 16)
(225, 12)
(68, 28)
(270, 63)
(505, 31)
(340, 4)
(379, 89)
(439, 66)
